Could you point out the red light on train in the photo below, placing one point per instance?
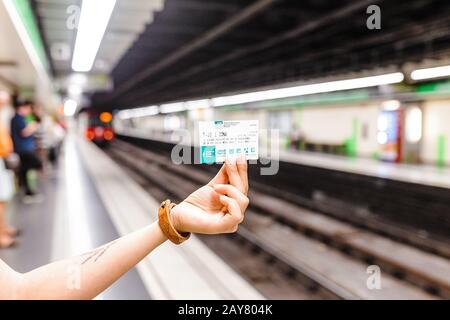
(98, 131)
(90, 135)
(108, 135)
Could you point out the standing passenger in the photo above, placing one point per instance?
(7, 233)
(22, 131)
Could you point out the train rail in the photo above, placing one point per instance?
(326, 256)
(387, 207)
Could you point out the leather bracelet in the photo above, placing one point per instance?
(166, 225)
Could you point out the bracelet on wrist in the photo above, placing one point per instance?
(165, 223)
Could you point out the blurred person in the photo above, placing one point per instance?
(39, 136)
(296, 137)
(54, 135)
(23, 127)
(215, 208)
(7, 233)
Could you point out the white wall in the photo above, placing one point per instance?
(436, 117)
(334, 124)
(319, 124)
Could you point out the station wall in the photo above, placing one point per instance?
(318, 124)
(336, 124)
(436, 133)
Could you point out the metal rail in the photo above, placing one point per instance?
(199, 178)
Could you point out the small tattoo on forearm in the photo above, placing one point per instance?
(96, 254)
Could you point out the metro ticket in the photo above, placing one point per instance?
(228, 139)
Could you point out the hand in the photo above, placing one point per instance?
(217, 207)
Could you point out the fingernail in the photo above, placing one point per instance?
(232, 160)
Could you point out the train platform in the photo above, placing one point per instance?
(304, 236)
(423, 174)
(88, 201)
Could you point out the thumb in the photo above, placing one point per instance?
(220, 178)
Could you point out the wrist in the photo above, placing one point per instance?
(166, 219)
(155, 229)
(176, 220)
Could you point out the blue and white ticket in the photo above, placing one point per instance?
(228, 139)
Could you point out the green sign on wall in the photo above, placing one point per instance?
(25, 13)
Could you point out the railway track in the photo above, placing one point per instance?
(326, 257)
(328, 195)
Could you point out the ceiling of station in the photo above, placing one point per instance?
(187, 49)
(16, 68)
(58, 21)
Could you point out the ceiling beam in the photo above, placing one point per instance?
(299, 30)
(343, 61)
(200, 42)
(408, 33)
(206, 5)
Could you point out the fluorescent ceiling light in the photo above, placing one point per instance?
(94, 18)
(172, 107)
(80, 79)
(339, 85)
(429, 73)
(139, 112)
(75, 90)
(125, 114)
(146, 111)
(70, 107)
(198, 104)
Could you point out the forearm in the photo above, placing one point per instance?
(87, 275)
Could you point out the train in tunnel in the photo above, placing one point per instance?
(97, 127)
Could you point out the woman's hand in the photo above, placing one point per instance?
(217, 207)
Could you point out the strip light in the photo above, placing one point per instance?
(94, 18)
(172, 107)
(323, 87)
(372, 81)
(429, 73)
(138, 113)
(198, 104)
